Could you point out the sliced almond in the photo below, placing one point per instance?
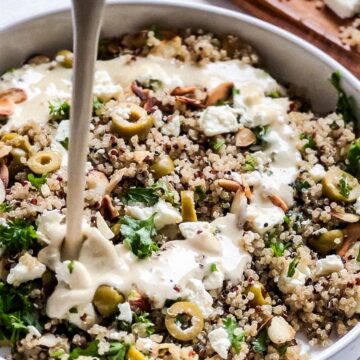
(278, 201)
(141, 93)
(280, 331)
(97, 181)
(229, 185)
(4, 149)
(352, 235)
(347, 217)
(38, 60)
(247, 190)
(221, 92)
(239, 207)
(15, 94)
(7, 107)
(107, 209)
(115, 179)
(4, 175)
(183, 90)
(244, 138)
(189, 101)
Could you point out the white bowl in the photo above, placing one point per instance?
(288, 58)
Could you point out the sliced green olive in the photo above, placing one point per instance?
(44, 162)
(260, 294)
(162, 166)
(188, 212)
(338, 185)
(173, 325)
(327, 242)
(18, 162)
(65, 58)
(139, 123)
(106, 300)
(16, 141)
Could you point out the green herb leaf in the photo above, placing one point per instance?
(282, 349)
(157, 32)
(260, 343)
(65, 143)
(97, 106)
(353, 157)
(235, 91)
(213, 267)
(301, 185)
(279, 248)
(311, 143)
(37, 181)
(358, 256)
(17, 235)
(217, 143)
(138, 235)
(261, 132)
(5, 207)
(143, 318)
(275, 94)
(221, 103)
(236, 336)
(292, 267)
(90, 350)
(59, 110)
(70, 266)
(250, 163)
(200, 191)
(345, 104)
(344, 186)
(117, 351)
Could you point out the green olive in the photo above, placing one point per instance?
(44, 162)
(260, 294)
(106, 300)
(188, 211)
(16, 141)
(65, 58)
(188, 309)
(18, 162)
(139, 123)
(162, 166)
(327, 242)
(116, 229)
(338, 185)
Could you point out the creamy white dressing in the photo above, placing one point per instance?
(168, 274)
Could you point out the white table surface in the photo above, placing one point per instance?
(14, 10)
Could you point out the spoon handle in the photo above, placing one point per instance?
(87, 16)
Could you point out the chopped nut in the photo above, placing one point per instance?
(6, 107)
(280, 331)
(277, 201)
(238, 207)
(352, 235)
(183, 90)
(221, 92)
(37, 60)
(229, 185)
(4, 175)
(189, 101)
(107, 209)
(244, 138)
(347, 217)
(16, 95)
(97, 181)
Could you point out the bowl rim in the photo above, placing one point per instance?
(349, 78)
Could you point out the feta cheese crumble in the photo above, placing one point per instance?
(328, 265)
(344, 8)
(220, 342)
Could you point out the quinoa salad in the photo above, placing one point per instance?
(221, 220)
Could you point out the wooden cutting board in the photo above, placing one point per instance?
(303, 18)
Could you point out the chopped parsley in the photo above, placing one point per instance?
(65, 143)
(213, 267)
(274, 94)
(310, 144)
(344, 186)
(90, 350)
(353, 157)
(201, 193)
(17, 312)
(292, 267)
(287, 220)
(97, 105)
(260, 343)
(117, 351)
(217, 143)
(37, 181)
(261, 132)
(153, 84)
(279, 248)
(301, 185)
(17, 235)
(221, 103)
(250, 163)
(345, 104)
(143, 318)
(138, 235)
(149, 195)
(59, 110)
(5, 207)
(282, 349)
(70, 266)
(157, 33)
(236, 336)
(235, 91)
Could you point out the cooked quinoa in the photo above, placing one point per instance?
(304, 272)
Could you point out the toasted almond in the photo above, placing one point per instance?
(189, 101)
(4, 175)
(15, 94)
(347, 217)
(221, 92)
(239, 207)
(351, 236)
(97, 181)
(4, 149)
(150, 104)
(115, 179)
(7, 107)
(265, 322)
(278, 201)
(244, 138)
(229, 185)
(183, 90)
(38, 60)
(247, 190)
(107, 209)
(141, 93)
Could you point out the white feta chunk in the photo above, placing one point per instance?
(172, 127)
(357, 206)
(288, 284)
(317, 172)
(125, 312)
(28, 268)
(220, 342)
(104, 89)
(216, 120)
(83, 316)
(328, 265)
(191, 229)
(214, 280)
(103, 227)
(196, 293)
(344, 8)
